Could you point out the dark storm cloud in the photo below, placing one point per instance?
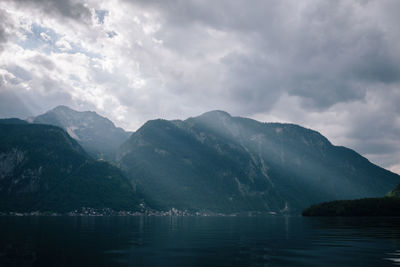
(225, 15)
(69, 9)
(326, 53)
(323, 49)
(62, 8)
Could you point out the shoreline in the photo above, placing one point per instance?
(90, 212)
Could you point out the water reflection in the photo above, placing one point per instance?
(198, 241)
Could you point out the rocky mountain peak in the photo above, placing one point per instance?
(97, 134)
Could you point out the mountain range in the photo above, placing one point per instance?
(210, 163)
(43, 169)
(233, 164)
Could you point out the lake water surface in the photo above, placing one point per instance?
(199, 241)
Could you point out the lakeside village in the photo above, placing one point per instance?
(87, 211)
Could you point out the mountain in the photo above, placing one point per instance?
(12, 121)
(216, 162)
(96, 134)
(42, 168)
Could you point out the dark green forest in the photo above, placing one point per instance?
(44, 169)
(385, 206)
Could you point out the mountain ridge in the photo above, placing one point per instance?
(97, 134)
(220, 163)
(43, 169)
(261, 164)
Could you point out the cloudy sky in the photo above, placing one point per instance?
(333, 66)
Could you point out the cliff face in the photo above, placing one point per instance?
(43, 168)
(96, 134)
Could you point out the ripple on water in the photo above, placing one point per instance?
(211, 241)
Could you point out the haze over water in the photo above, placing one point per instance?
(198, 241)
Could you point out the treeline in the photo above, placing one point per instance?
(386, 206)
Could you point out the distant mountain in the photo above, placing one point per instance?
(97, 134)
(43, 168)
(221, 163)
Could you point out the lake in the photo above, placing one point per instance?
(199, 241)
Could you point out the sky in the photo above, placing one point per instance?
(333, 66)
